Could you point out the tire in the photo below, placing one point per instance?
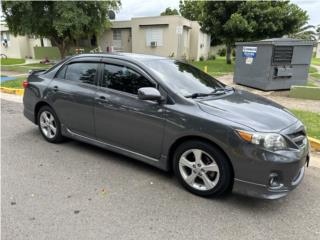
(213, 178)
(47, 125)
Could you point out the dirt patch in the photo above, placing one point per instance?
(281, 97)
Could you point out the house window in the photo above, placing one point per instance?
(116, 34)
(5, 35)
(116, 40)
(154, 34)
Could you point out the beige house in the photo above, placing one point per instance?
(19, 46)
(168, 36)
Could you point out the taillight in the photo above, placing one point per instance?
(25, 83)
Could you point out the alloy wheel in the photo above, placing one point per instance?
(199, 170)
(48, 124)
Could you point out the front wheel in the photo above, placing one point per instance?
(49, 125)
(202, 168)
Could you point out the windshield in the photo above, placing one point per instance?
(183, 77)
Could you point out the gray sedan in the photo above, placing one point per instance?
(173, 116)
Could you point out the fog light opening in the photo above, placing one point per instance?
(274, 182)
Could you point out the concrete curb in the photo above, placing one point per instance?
(315, 143)
(17, 91)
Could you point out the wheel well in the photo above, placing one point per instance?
(37, 108)
(189, 138)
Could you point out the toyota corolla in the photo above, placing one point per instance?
(173, 116)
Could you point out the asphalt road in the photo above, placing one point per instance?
(77, 191)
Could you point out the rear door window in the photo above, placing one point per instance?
(81, 72)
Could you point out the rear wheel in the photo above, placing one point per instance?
(202, 168)
(49, 125)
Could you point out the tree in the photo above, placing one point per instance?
(306, 32)
(231, 21)
(61, 22)
(169, 11)
(191, 9)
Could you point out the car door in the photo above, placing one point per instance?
(72, 94)
(121, 118)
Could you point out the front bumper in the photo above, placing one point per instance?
(270, 175)
(264, 191)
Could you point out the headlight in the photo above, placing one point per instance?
(272, 141)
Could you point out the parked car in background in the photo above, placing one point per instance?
(173, 116)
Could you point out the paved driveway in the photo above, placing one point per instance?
(76, 191)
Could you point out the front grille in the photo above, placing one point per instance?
(282, 55)
(298, 137)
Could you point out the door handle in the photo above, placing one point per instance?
(102, 99)
(55, 88)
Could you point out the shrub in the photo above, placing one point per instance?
(201, 58)
(212, 57)
(222, 52)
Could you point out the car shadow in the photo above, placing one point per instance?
(235, 201)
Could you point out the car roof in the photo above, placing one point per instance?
(123, 56)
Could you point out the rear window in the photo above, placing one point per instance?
(53, 70)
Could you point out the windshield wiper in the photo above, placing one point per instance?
(215, 92)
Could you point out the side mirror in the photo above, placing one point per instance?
(149, 93)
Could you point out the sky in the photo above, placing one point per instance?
(143, 8)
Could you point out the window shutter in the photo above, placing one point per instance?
(154, 35)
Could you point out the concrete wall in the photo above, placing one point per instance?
(21, 46)
(214, 50)
(171, 39)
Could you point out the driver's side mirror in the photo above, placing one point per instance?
(149, 93)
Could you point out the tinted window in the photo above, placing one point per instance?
(61, 74)
(124, 79)
(84, 72)
(183, 77)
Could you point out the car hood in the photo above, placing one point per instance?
(251, 110)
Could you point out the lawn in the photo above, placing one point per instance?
(17, 83)
(216, 67)
(316, 61)
(311, 121)
(312, 69)
(313, 72)
(25, 68)
(315, 75)
(10, 61)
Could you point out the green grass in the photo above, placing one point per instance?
(25, 68)
(311, 121)
(10, 61)
(217, 67)
(316, 61)
(17, 83)
(311, 83)
(315, 75)
(312, 70)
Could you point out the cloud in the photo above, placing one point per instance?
(144, 8)
(138, 8)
